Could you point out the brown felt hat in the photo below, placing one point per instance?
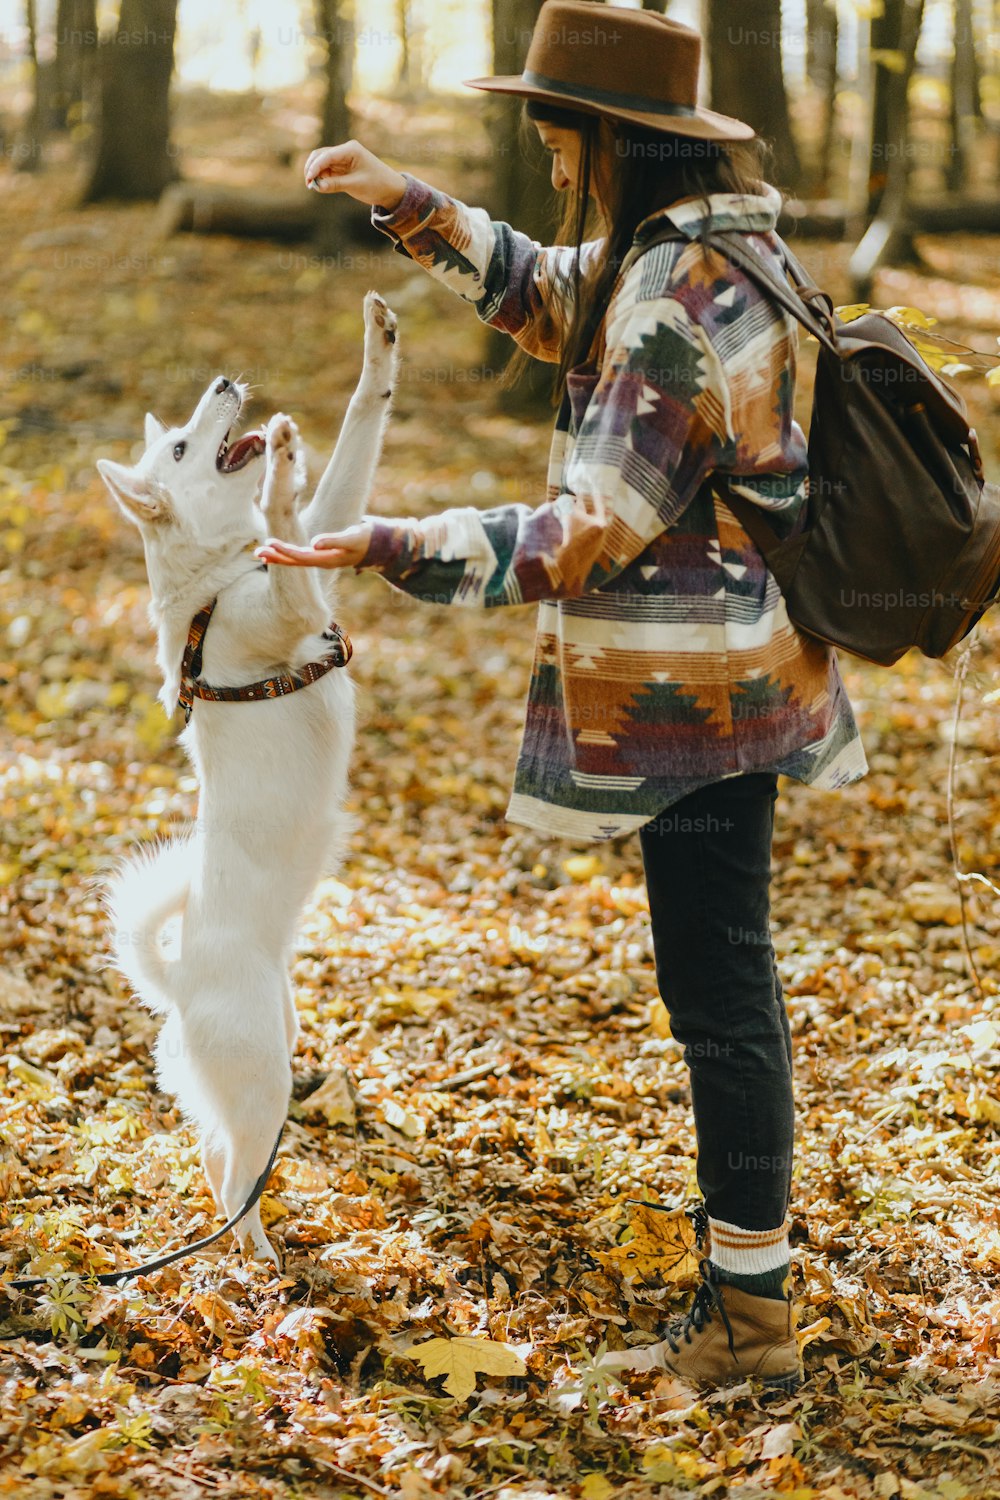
(632, 65)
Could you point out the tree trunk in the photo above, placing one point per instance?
(403, 78)
(133, 157)
(411, 78)
(28, 152)
(894, 34)
(889, 236)
(821, 66)
(76, 49)
(816, 39)
(747, 77)
(964, 99)
(522, 194)
(337, 34)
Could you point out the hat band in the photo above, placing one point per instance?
(585, 93)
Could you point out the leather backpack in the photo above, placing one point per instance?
(898, 542)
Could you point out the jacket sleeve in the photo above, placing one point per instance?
(508, 277)
(655, 425)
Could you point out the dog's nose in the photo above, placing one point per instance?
(223, 385)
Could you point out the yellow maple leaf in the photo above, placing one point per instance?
(852, 310)
(596, 1487)
(662, 1243)
(910, 317)
(461, 1359)
(666, 1465)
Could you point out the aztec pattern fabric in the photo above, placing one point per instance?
(665, 659)
(278, 686)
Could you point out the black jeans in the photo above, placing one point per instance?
(708, 869)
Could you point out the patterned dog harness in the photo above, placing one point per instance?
(269, 687)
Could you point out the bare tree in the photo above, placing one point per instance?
(521, 191)
(76, 51)
(38, 122)
(822, 41)
(336, 32)
(964, 96)
(889, 237)
(133, 158)
(414, 55)
(747, 76)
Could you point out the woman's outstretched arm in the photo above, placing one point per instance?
(509, 278)
(654, 427)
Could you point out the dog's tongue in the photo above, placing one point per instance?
(242, 449)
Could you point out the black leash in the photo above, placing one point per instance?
(111, 1278)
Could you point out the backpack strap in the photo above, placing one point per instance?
(797, 299)
(806, 302)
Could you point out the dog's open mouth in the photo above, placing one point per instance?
(238, 453)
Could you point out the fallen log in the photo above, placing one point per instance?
(947, 214)
(829, 219)
(294, 215)
(290, 215)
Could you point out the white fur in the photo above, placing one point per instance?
(272, 775)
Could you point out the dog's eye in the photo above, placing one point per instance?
(179, 451)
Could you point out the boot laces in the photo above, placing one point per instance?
(698, 1214)
(707, 1299)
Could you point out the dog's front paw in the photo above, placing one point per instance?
(282, 439)
(285, 476)
(380, 321)
(380, 340)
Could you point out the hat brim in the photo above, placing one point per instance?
(704, 124)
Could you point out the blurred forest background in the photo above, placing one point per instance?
(486, 1076)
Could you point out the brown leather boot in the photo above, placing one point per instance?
(730, 1334)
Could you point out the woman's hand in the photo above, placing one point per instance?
(334, 549)
(353, 169)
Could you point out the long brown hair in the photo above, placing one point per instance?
(650, 170)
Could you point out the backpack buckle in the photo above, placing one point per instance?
(976, 455)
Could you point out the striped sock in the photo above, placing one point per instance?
(754, 1260)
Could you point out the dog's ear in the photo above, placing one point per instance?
(140, 497)
(154, 429)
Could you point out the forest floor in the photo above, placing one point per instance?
(410, 1206)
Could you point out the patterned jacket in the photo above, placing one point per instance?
(664, 657)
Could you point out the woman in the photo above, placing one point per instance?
(669, 690)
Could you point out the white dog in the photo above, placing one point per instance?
(272, 774)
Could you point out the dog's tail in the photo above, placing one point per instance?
(140, 897)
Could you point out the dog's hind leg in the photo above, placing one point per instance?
(341, 496)
(213, 1161)
(291, 1019)
(246, 1158)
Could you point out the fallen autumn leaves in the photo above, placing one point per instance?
(484, 1076)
